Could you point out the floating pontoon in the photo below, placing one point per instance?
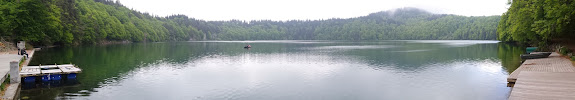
(49, 72)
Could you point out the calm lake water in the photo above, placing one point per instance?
(283, 70)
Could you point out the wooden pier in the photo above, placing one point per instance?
(554, 63)
(544, 79)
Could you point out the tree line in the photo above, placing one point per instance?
(48, 22)
(537, 22)
(401, 24)
(69, 22)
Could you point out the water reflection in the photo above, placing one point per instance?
(509, 55)
(50, 84)
(278, 70)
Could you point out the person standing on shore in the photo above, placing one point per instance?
(22, 48)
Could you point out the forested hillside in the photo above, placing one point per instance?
(405, 23)
(47, 22)
(538, 22)
(64, 22)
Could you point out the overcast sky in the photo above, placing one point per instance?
(308, 9)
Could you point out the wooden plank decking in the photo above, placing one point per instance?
(550, 78)
(544, 86)
(555, 63)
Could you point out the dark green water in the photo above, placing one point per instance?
(283, 70)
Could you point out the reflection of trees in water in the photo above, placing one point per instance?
(104, 63)
(420, 55)
(509, 55)
(101, 64)
(108, 63)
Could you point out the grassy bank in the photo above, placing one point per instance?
(565, 49)
(4, 85)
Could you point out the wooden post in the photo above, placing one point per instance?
(15, 72)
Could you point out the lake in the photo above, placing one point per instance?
(283, 70)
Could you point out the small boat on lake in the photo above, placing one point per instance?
(535, 55)
(248, 46)
(530, 49)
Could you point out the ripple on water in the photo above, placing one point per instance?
(351, 47)
(455, 43)
(365, 71)
(412, 50)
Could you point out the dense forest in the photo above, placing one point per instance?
(65, 22)
(538, 22)
(47, 22)
(400, 24)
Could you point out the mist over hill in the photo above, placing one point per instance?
(398, 24)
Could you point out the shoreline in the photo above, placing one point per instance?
(12, 90)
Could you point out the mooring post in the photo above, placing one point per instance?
(14, 72)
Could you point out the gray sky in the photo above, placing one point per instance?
(308, 9)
